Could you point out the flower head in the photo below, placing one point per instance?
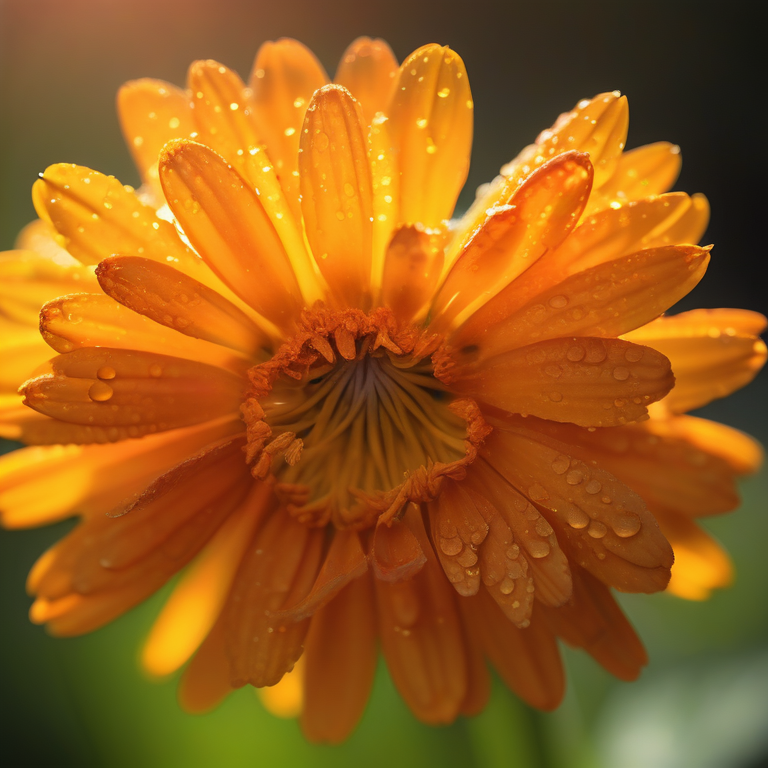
(349, 420)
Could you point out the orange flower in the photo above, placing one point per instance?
(349, 421)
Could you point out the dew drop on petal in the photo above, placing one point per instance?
(106, 372)
(537, 549)
(575, 354)
(560, 464)
(155, 370)
(621, 373)
(633, 354)
(597, 530)
(625, 525)
(451, 546)
(593, 486)
(100, 392)
(574, 477)
(558, 302)
(577, 518)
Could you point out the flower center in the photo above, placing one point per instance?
(350, 421)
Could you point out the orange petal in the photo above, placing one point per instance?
(43, 484)
(152, 113)
(412, 266)
(170, 298)
(225, 221)
(197, 599)
(125, 388)
(648, 170)
(97, 216)
(657, 460)
(96, 320)
(742, 453)
(478, 678)
(28, 280)
(368, 70)
(284, 77)
(422, 639)
(590, 382)
(605, 525)
(596, 126)
(527, 660)
(205, 682)
(344, 562)
(430, 120)
(336, 192)
(713, 352)
(592, 620)
(458, 529)
(340, 660)
(606, 300)
(701, 564)
(537, 218)
(620, 231)
(532, 559)
(278, 572)
(396, 552)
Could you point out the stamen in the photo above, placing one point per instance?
(350, 421)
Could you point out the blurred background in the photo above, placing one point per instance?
(695, 75)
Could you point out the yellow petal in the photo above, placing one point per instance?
(40, 236)
(385, 186)
(713, 352)
(513, 237)
(368, 69)
(648, 170)
(170, 298)
(412, 268)
(606, 300)
(587, 381)
(42, 484)
(284, 77)
(152, 113)
(701, 564)
(124, 388)
(96, 320)
(198, 597)
(22, 350)
(430, 120)
(225, 221)
(336, 193)
(28, 280)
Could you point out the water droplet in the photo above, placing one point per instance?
(593, 487)
(537, 549)
(289, 131)
(421, 122)
(633, 354)
(537, 492)
(155, 370)
(106, 372)
(100, 392)
(560, 464)
(574, 477)
(443, 92)
(467, 558)
(558, 302)
(507, 586)
(555, 397)
(320, 141)
(575, 353)
(554, 371)
(349, 190)
(621, 373)
(577, 518)
(625, 525)
(597, 530)
(340, 215)
(595, 352)
(543, 528)
(513, 552)
(451, 547)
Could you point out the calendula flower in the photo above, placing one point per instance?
(350, 422)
